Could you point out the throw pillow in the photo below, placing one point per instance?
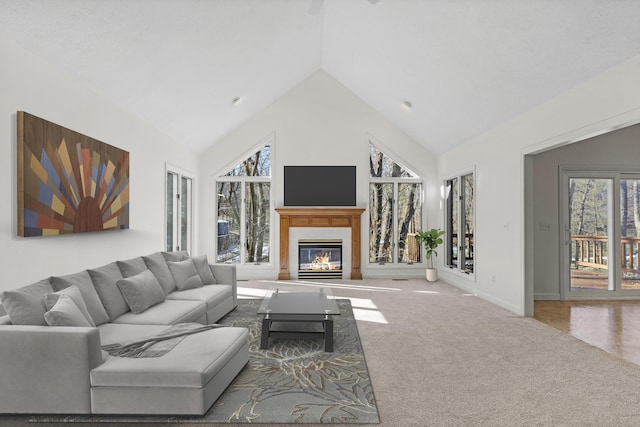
(141, 291)
(105, 280)
(83, 281)
(158, 266)
(76, 296)
(25, 306)
(65, 313)
(131, 267)
(185, 274)
(202, 265)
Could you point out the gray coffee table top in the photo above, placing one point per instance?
(302, 302)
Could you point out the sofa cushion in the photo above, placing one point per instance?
(212, 295)
(202, 265)
(74, 293)
(141, 291)
(105, 280)
(25, 305)
(65, 312)
(192, 363)
(168, 312)
(83, 281)
(131, 267)
(158, 266)
(185, 274)
(175, 256)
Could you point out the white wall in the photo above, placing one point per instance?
(28, 84)
(608, 101)
(617, 150)
(319, 122)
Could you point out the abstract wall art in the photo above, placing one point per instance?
(68, 182)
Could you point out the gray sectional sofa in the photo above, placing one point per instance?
(53, 331)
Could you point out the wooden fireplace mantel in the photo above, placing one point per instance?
(319, 217)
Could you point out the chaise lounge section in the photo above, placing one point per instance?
(63, 368)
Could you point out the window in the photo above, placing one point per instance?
(243, 210)
(395, 210)
(460, 208)
(179, 189)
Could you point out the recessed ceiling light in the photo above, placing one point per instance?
(237, 100)
(407, 105)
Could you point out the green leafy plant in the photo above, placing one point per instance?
(431, 239)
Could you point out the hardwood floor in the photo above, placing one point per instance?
(613, 326)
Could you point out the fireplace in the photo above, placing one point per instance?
(320, 259)
(347, 219)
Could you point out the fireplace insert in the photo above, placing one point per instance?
(319, 259)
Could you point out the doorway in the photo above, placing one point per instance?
(601, 234)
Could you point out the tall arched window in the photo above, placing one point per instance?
(243, 210)
(395, 210)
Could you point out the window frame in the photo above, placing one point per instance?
(244, 180)
(461, 214)
(177, 220)
(395, 182)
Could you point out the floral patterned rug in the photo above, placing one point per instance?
(293, 381)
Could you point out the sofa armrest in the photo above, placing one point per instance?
(45, 369)
(225, 274)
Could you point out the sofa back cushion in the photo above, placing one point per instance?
(158, 266)
(105, 280)
(141, 291)
(185, 274)
(175, 256)
(65, 312)
(83, 281)
(25, 306)
(74, 293)
(131, 267)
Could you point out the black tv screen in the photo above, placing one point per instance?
(319, 185)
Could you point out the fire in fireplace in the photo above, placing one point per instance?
(320, 259)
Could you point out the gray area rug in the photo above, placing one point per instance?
(293, 381)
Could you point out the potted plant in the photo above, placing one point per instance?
(431, 239)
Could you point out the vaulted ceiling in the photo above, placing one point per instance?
(463, 66)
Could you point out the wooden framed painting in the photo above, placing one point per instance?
(68, 182)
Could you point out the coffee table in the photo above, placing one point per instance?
(299, 314)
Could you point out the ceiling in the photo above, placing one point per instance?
(465, 66)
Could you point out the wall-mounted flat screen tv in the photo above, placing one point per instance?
(319, 185)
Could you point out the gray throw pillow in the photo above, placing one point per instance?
(65, 313)
(202, 265)
(25, 306)
(76, 296)
(131, 267)
(83, 281)
(141, 291)
(158, 266)
(105, 280)
(185, 274)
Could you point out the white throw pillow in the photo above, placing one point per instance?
(202, 265)
(74, 293)
(65, 313)
(185, 274)
(141, 291)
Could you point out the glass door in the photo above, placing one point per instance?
(630, 231)
(601, 212)
(589, 234)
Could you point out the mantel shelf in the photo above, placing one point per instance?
(320, 217)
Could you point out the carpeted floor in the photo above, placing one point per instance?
(293, 381)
